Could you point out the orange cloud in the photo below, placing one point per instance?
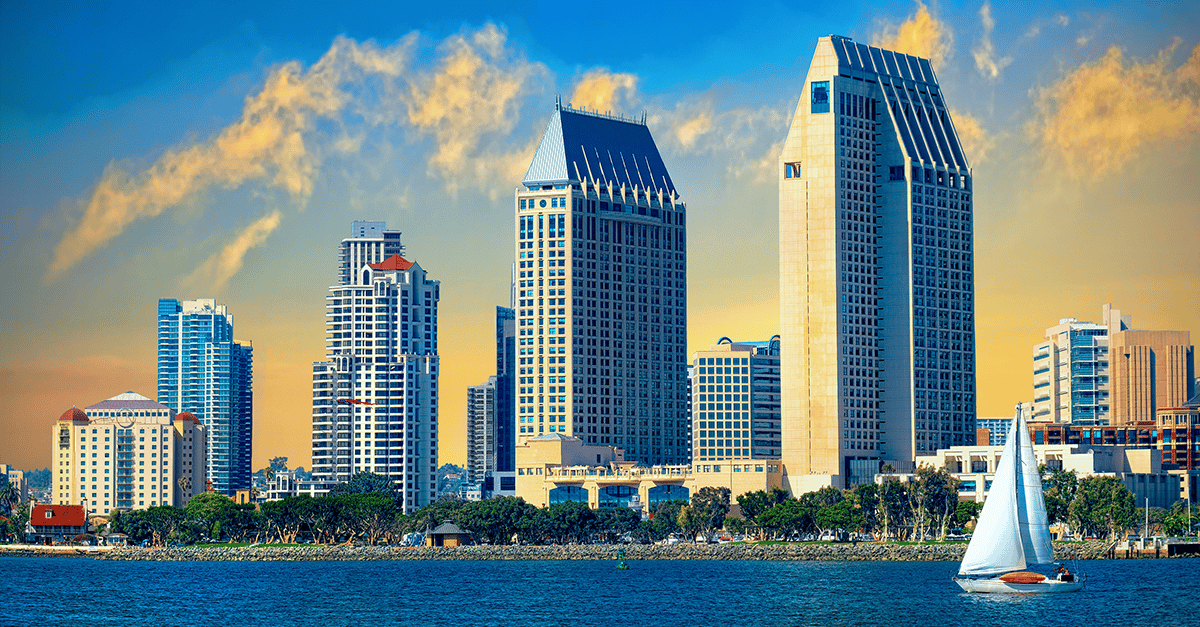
(216, 271)
(1104, 114)
(267, 145)
(921, 35)
(976, 141)
(604, 91)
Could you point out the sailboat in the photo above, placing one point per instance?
(1013, 531)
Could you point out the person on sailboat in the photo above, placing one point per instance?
(1064, 574)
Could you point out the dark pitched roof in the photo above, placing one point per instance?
(578, 145)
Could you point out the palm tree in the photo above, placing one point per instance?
(10, 496)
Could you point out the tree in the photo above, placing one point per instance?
(1102, 504)
(366, 482)
(735, 525)
(932, 497)
(841, 515)
(754, 503)
(866, 498)
(965, 512)
(572, 521)
(613, 522)
(709, 506)
(10, 495)
(210, 512)
(494, 521)
(1058, 490)
(664, 520)
(1175, 520)
(894, 509)
(790, 516)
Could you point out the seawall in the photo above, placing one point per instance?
(865, 551)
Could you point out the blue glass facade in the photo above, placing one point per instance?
(202, 370)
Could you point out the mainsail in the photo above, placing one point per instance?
(1012, 531)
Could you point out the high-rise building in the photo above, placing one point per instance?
(1151, 370)
(204, 371)
(491, 418)
(876, 269)
(736, 401)
(127, 452)
(481, 432)
(602, 290)
(1071, 370)
(369, 242)
(375, 396)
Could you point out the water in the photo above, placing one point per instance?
(59, 591)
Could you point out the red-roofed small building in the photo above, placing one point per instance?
(55, 523)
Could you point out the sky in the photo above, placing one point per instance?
(221, 150)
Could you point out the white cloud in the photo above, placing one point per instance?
(985, 55)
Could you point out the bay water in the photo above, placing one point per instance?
(70, 591)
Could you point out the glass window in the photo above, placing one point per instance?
(820, 97)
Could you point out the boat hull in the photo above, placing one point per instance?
(1049, 586)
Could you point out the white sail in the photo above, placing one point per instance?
(1035, 525)
(997, 546)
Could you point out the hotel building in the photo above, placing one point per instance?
(736, 401)
(375, 396)
(602, 290)
(204, 371)
(127, 452)
(876, 270)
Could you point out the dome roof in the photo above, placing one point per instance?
(187, 415)
(75, 414)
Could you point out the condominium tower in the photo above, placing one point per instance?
(204, 371)
(375, 394)
(1071, 370)
(876, 270)
(491, 418)
(735, 401)
(602, 290)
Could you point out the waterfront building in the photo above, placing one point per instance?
(601, 290)
(56, 523)
(127, 452)
(876, 270)
(369, 242)
(202, 370)
(1071, 370)
(553, 468)
(736, 401)
(375, 395)
(1140, 469)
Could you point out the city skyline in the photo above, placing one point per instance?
(213, 165)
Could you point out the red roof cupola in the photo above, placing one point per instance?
(395, 262)
(74, 414)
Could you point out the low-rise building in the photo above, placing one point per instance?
(555, 468)
(49, 524)
(1140, 469)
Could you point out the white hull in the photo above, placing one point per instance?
(1049, 586)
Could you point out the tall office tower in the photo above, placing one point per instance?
(506, 415)
(127, 452)
(375, 395)
(202, 370)
(481, 432)
(369, 242)
(1071, 370)
(876, 273)
(736, 401)
(602, 290)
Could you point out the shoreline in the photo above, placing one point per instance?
(865, 551)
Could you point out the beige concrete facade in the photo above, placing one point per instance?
(1150, 369)
(876, 271)
(127, 452)
(735, 401)
(1139, 469)
(554, 469)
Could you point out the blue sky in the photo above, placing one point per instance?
(1081, 122)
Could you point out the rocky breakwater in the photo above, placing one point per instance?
(864, 551)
